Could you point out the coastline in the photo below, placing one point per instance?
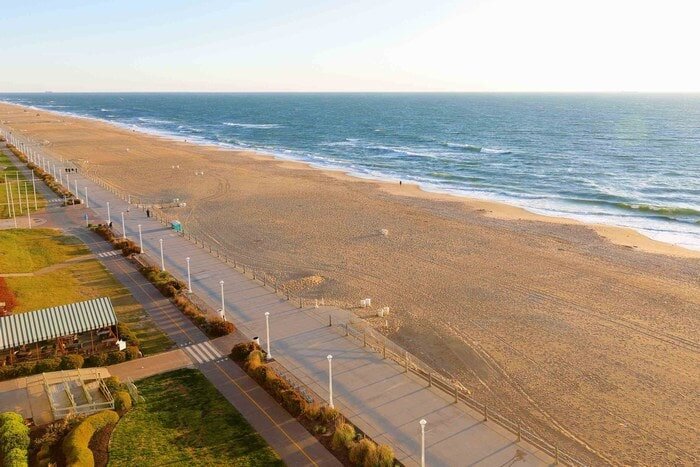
(543, 320)
(618, 235)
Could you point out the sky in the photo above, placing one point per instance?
(357, 45)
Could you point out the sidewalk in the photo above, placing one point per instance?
(375, 393)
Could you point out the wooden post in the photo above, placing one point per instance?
(519, 431)
(405, 370)
(235, 266)
(364, 338)
(264, 279)
(300, 304)
(253, 274)
(384, 349)
(244, 269)
(486, 414)
(456, 393)
(430, 379)
(346, 330)
(330, 320)
(556, 455)
(275, 287)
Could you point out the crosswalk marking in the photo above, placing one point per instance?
(203, 352)
(106, 254)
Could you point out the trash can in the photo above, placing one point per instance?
(177, 227)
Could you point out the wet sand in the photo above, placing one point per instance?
(589, 342)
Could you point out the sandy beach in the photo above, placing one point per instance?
(588, 334)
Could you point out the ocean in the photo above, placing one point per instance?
(630, 160)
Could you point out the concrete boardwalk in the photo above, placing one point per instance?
(282, 432)
(375, 393)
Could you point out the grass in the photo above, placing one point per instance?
(186, 421)
(23, 250)
(9, 169)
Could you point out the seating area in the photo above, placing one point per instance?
(81, 328)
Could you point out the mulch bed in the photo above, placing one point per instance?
(99, 445)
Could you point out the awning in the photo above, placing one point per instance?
(59, 321)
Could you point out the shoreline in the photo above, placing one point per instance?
(618, 235)
(541, 318)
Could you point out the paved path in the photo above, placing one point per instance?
(379, 398)
(282, 432)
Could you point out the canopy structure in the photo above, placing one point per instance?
(51, 323)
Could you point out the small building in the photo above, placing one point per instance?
(83, 327)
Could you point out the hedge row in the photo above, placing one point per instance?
(75, 445)
(174, 289)
(14, 440)
(127, 246)
(345, 441)
(68, 362)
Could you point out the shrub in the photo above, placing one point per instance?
(47, 365)
(254, 360)
(127, 335)
(122, 401)
(218, 327)
(115, 357)
(371, 457)
(343, 436)
(313, 411)
(385, 456)
(361, 450)
(132, 352)
(95, 360)
(329, 414)
(75, 445)
(114, 384)
(71, 362)
(293, 402)
(15, 458)
(10, 417)
(14, 436)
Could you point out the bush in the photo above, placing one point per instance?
(75, 445)
(254, 360)
(114, 384)
(362, 450)
(385, 456)
(132, 352)
(218, 327)
(10, 417)
(127, 335)
(329, 414)
(71, 362)
(96, 360)
(313, 411)
(240, 351)
(115, 357)
(293, 402)
(15, 458)
(343, 436)
(48, 365)
(122, 401)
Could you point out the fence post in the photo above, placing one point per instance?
(300, 305)
(275, 287)
(384, 348)
(556, 455)
(244, 269)
(330, 320)
(405, 356)
(519, 431)
(486, 414)
(430, 379)
(253, 274)
(456, 393)
(235, 266)
(264, 279)
(346, 330)
(364, 338)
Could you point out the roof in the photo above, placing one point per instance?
(59, 321)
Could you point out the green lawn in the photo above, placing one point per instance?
(186, 421)
(7, 168)
(31, 250)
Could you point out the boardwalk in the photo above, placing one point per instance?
(376, 394)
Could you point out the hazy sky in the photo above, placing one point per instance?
(356, 45)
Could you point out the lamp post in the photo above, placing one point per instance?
(109, 216)
(75, 184)
(162, 260)
(87, 200)
(34, 191)
(189, 278)
(267, 330)
(422, 441)
(26, 197)
(330, 381)
(140, 240)
(123, 226)
(223, 304)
